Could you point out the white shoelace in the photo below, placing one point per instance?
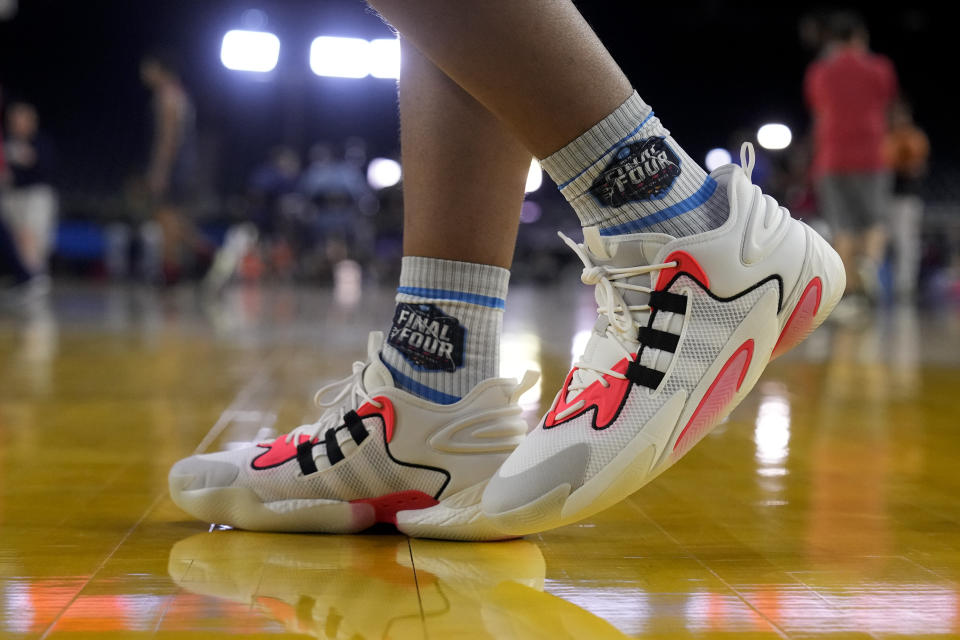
(350, 395)
(621, 325)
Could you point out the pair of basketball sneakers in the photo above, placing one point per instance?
(685, 327)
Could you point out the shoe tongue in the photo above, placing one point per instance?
(376, 375)
(630, 250)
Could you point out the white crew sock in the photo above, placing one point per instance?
(445, 336)
(628, 175)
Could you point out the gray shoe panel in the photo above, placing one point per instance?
(566, 467)
(203, 473)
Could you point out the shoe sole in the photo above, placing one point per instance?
(457, 517)
(666, 438)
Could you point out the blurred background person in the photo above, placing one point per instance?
(276, 209)
(270, 182)
(28, 204)
(342, 201)
(3, 162)
(849, 90)
(12, 270)
(172, 167)
(907, 151)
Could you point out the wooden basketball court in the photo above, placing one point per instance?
(828, 505)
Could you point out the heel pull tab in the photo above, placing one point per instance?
(526, 383)
(748, 158)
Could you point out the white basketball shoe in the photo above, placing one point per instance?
(685, 327)
(378, 454)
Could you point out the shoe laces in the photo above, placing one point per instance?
(622, 325)
(349, 394)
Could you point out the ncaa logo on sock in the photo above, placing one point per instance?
(428, 338)
(641, 170)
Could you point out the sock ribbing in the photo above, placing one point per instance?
(626, 174)
(445, 337)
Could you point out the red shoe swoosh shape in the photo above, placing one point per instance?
(280, 451)
(606, 400)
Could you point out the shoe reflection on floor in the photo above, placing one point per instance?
(376, 586)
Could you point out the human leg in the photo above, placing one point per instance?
(701, 279)
(463, 171)
(540, 68)
(839, 208)
(464, 176)
(904, 229)
(10, 262)
(875, 195)
(412, 436)
(40, 213)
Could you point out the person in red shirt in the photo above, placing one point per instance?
(849, 90)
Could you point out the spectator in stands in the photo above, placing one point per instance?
(270, 182)
(338, 189)
(907, 152)
(28, 205)
(849, 90)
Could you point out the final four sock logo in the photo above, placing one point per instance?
(641, 170)
(427, 337)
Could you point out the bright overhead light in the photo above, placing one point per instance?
(250, 50)
(340, 57)
(383, 173)
(717, 158)
(774, 136)
(384, 58)
(534, 177)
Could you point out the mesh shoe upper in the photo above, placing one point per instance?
(668, 335)
(373, 440)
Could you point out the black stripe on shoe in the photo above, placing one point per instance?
(334, 454)
(355, 424)
(656, 339)
(643, 376)
(305, 457)
(666, 301)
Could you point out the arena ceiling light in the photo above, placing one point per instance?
(340, 57)
(385, 58)
(774, 136)
(717, 158)
(250, 50)
(383, 173)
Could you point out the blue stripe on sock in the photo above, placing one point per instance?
(702, 195)
(612, 147)
(458, 296)
(409, 384)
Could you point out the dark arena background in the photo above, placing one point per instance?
(826, 505)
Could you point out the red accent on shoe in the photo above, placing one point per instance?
(716, 399)
(800, 322)
(607, 400)
(279, 451)
(686, 263)
(283, 612)
(385, 507)
(386, 412)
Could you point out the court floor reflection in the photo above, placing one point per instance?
(366, 587)
(827, 505)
